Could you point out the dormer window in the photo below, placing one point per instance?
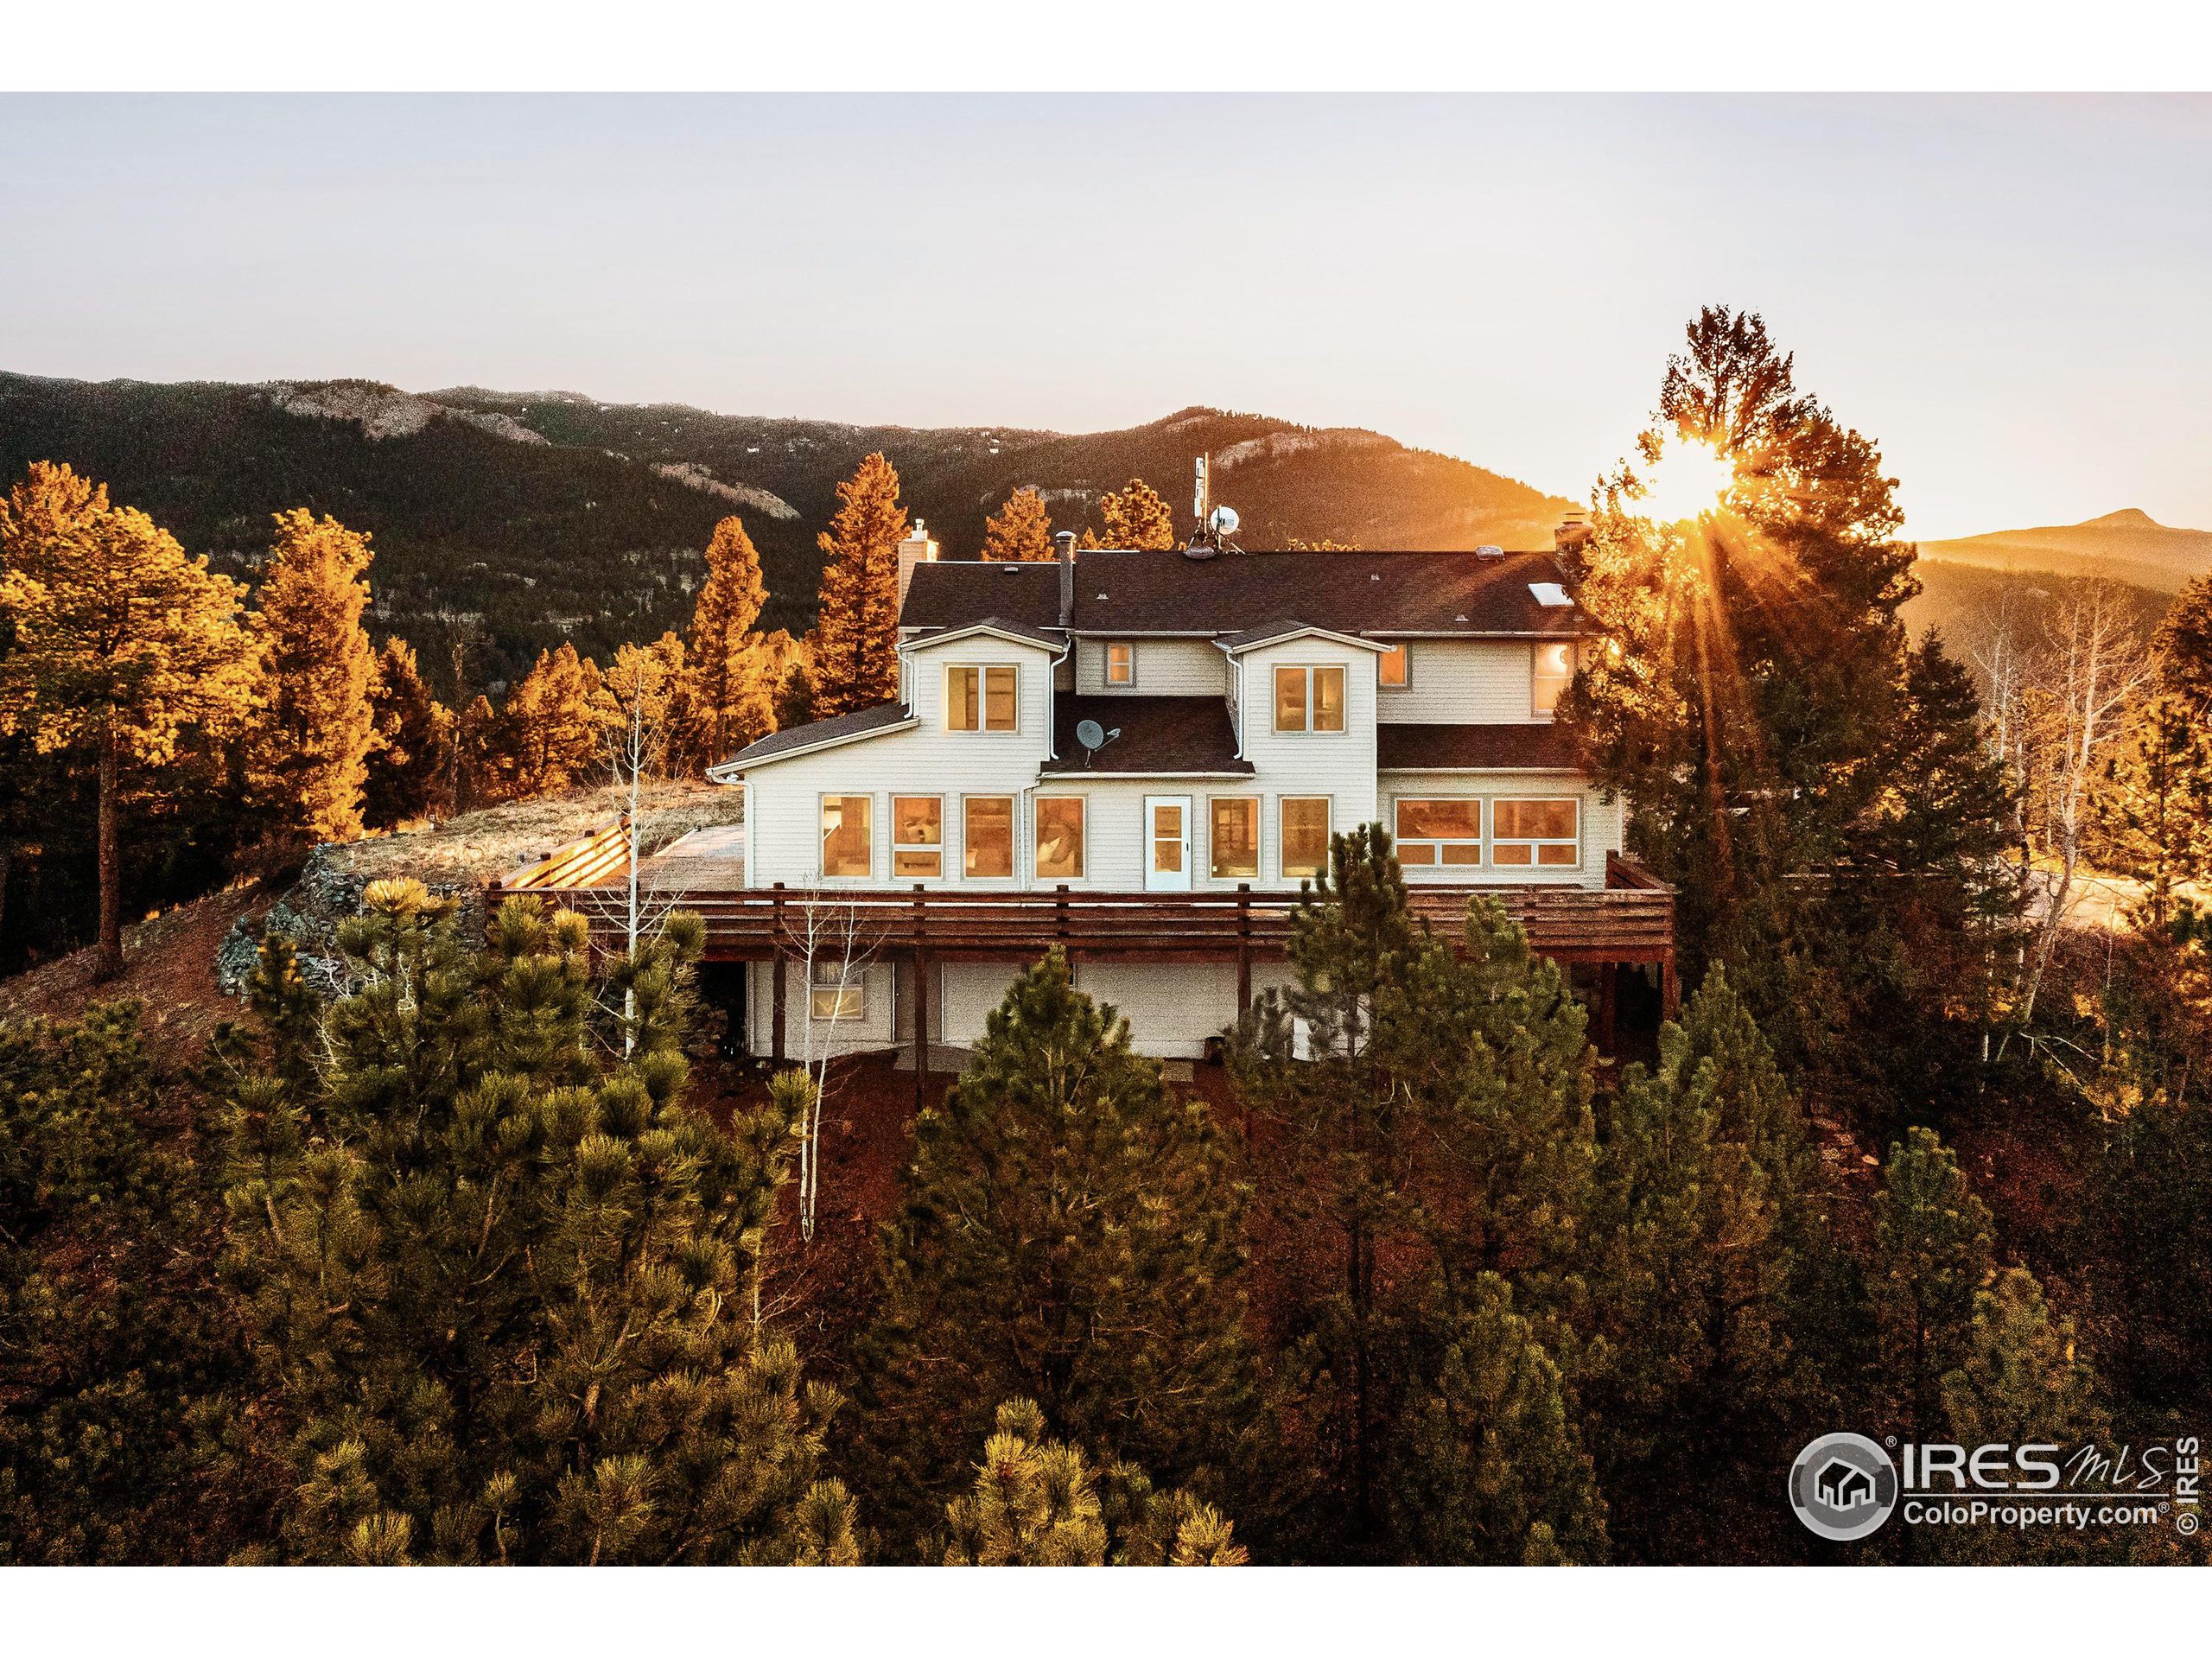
(1310, 699)
(1121, 663)
(1553, 673)
(984, 699)
(1390, 667)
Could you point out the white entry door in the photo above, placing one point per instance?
(1167, 850)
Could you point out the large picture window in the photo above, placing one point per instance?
(1446, 831)
(1305, 834)
(848, 845)
(985, 699)
(837, 989)
(1234, 841)
(987, 849)
(917, 835)
(1310, 699)
(1536, 832)
(1059, 837)
(1554, 672)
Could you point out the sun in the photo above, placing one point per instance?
(1687, 481)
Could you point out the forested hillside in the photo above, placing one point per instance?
(505, 523)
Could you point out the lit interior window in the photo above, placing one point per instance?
(1305, 836)
(987, 852)
(1121, 664)
(1390, 666)
(1235, 842)
(1555, 673)
(838, 990)
(1310, 699)
(917, 835)
(1536, 832)
(1440, 831)
(1059, 837)
(847, 847)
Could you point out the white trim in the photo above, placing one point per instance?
(1301, 631)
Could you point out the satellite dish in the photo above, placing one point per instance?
(1223, 521)
(1093, 737)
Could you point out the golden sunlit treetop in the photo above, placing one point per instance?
(1687, 481)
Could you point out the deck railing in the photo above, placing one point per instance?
(1632, 920)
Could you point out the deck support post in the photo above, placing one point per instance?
(1671, 988)
(776, 940)
(921, 1008)
(1243, 949)
(1609, 982)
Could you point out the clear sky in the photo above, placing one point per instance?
(2012, 294)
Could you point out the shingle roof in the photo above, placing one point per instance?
(1534, 745)
(1119, 591)
(864, 722)
(1159, 735)
(953, 594)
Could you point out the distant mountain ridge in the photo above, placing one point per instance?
(506, 521)
(2127, 546)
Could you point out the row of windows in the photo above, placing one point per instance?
(1449, 830)
(987, 697)
(987, 838)
(1438, 832)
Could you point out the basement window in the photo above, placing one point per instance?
(836, 990)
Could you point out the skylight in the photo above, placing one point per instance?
(1549, 593)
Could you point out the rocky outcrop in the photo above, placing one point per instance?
(385, 412)
(326, 895)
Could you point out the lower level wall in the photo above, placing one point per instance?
(1174, 1009)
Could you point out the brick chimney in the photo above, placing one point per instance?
(1064, 550)
(1573, 530)
(916, 549)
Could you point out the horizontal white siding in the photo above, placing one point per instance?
(784, 810)
(1165, 668)
(1172, 1010)
(1450, 682)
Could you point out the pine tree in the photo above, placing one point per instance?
(729, 684)
(115, 1350)
(1760, 710)
(2154, 813)
(499, 1269)
(411, 762)
(855, 658)
(1070, 1233)
(1709, 1260)
(1022, 529)
(1486, 1467)
(1931, 1260)
(1036, 1502)
(549, 728)
(123, 648)
(314, 728)
(1135, 517)
(2182, 646)
(1429, 1110)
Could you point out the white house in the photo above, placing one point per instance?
(1240, 708)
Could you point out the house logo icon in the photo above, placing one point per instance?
(1843, 1486)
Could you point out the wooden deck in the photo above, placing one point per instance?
(1628, 922)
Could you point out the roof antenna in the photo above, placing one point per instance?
(1093, 737)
